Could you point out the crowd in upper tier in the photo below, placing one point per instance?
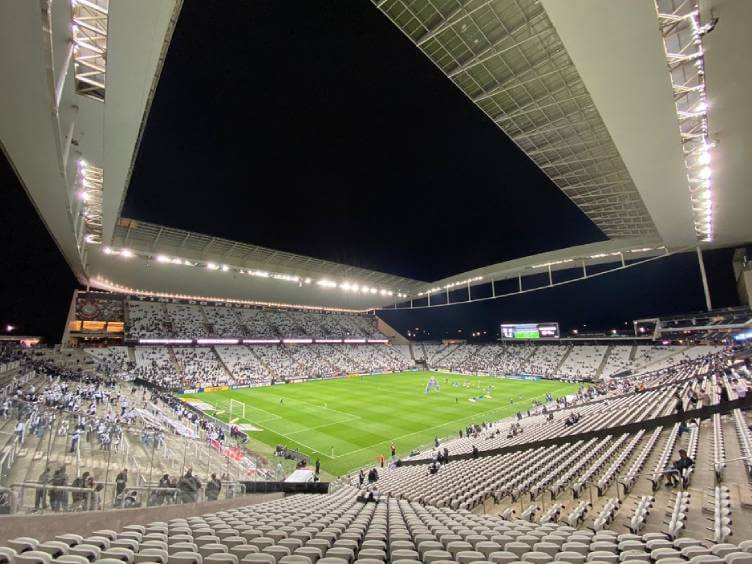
(154, 319)
(561, 360)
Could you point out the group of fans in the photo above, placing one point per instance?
(83, 407)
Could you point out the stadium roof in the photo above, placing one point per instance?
(582, 86)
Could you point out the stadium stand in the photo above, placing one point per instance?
(348, 527)
(191, 367)
(576, 361)
(243, 364)
(605, 479)
(582, 361)
(74, 431)
(153, 319)
(603, 482)
(201, 366)
(617, 360)
(458, 475)
(110, 358)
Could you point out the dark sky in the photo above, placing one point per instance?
(36, 284)
(321, 129)
(318, 128)
(668, 286)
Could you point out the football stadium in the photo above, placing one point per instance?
(374, 281)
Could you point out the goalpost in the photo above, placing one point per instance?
(236, 409)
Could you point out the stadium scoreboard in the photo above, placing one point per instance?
(523, 331)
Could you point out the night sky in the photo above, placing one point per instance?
(320, 129)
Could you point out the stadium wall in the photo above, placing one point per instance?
(46, 527)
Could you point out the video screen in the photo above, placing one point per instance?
(529, 331)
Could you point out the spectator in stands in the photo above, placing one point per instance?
(704, 397)
(677, 472)
(120, 481)
(724, 396)
(361, 478)
(74, 439)
(96, 496)
(20, 429)
(58, 498)
(80, 499)
(127, 499)
(740, 386)
(189, 486)
(213, 487)
(161, 495)
(679, 404)
(39, 500)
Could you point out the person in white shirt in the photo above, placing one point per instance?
(20, 432)
(740, 386)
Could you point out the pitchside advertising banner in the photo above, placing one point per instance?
(528, 331)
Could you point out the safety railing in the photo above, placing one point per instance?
(38, 497)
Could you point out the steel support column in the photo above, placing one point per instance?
(704, 277)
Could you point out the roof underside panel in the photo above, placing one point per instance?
(506, 56)
(157, 239)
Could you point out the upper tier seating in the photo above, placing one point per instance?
(152, 319)
(554, 361)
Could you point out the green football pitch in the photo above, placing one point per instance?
(347, 423)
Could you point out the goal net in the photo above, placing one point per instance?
(236, 409)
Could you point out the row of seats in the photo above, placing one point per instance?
(337, 529)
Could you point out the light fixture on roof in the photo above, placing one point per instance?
(682, 40)
(89, 181)
(89, 33)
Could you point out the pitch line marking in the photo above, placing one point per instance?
(354, 418)
(429, 428)
(288, 437)
(314, 405)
